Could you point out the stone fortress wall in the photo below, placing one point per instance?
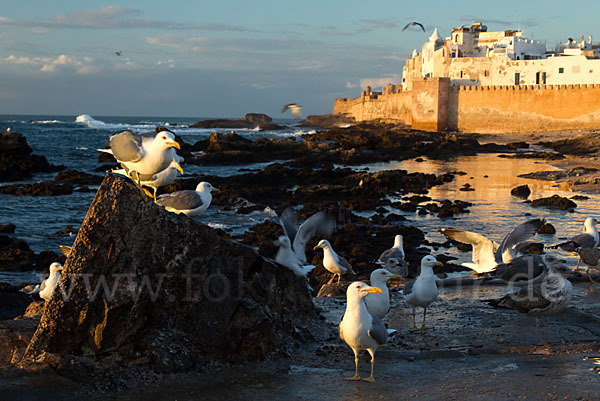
(433, 104)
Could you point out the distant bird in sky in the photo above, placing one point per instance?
(119, 52)
(413, 23)
(295, 108)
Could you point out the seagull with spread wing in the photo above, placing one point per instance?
(294, 108)
(413, 23)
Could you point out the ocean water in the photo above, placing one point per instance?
(73, 141)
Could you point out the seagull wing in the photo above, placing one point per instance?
(589, 256)
(483, 248)
(392, 253)
(288, 221)
(520, 233)
(523, 268)
(345, 264)
(378, 331)
(65, 249)
(181, 200)
(126, 146)
(287, 106)
(319, 223)
(408, 287)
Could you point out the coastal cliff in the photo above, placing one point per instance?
(142, 286)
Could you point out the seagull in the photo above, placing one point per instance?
(188, 202)
(423, 290)
(333, 262)
(47, 287)
(359, 329)
(378, 304)
(551, 296)
(591, 257)
(414, 23)
(31, 289)
(119, 53)
(144, 153)
(486, 253)
(589, 238)
(397, 251)
(295, 109)
(65, 249)
(292, 244)
(396, 266)
(160, 179)
(526, 270)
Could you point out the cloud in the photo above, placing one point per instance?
(379, 82)
(63, 62)
(111, 17)
(510, 23)
(351, 85)
(183, 43)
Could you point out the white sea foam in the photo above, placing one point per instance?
(45, 121)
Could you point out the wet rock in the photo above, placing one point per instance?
(580, 197)
(68, 231)
(182, 294)
(522, 191)
(466, 188)
(16, 159)
(35, 309)
(45, 188)
(334, 290)
(14, 338)
(554, 202)
(555, 175)
(250, 120)
(15, 255)
(547, 228)
(447, 208)
(13, 303)
(7, 228)
(534, 155)
(580, 145)
(77, 178)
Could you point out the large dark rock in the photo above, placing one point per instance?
(13, 303)
(250, 120)
(522, 191)
(7, 228)
(15, 255)
(327, 121)
(44, 188)
(177, 293)
(17, 161)
(554, 202)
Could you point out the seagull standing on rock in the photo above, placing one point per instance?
(359, 329)
(291, 245)
(143, 153)
(589, 238)
(332, 262)
(423, 290)
(188, 202)
(47, 287)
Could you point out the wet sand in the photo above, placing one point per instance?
(472, 352)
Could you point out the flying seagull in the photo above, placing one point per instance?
(295, 109)
(119, 53)
(413, 23)
(292, 244)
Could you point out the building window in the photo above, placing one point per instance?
(453, 55)
(561, 70)
(461, 74)
(517, 78)
(486, 73)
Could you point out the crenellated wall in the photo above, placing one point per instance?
(433, 104)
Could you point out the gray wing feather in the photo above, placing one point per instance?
(483, 248)
(345, 264)
(319, 223)
(288, 220)
(584, 240)
(520, 233)
(378, 331)
(526, 299)
(126, 146)
(589, 256)
(391, 253)
(522, 268)
(408, 287)
(181, 200)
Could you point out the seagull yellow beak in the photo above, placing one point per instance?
(177, 166)
(439, 264)
(174, 144)
(276, 243)
(372, 290)
(215, 189)
(316, 247)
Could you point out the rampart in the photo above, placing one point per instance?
(433, 104)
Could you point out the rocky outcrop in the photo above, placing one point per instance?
(249, 121)
(554, 202)
(522, 191)
(17, 161)
(327, 121)
(64, 183)
(157, 289)
(13, 303)
(15, 255)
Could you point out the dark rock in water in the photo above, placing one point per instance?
(156, 289)
(580, 145)
(534, 155)
(580, 197)
(77, 178)
(554, 202)
(13, 303)
(7, 228)
(15, 255)
(250, 120)
(68, 231)
(546, 228)
(522, 191)
(518, 145)
(555, 175)
(14, 338)
(45, 188)
(17, 161)
(466, 188)
(327, 121)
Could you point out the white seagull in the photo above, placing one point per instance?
(292, 245)
(378, 304)
(47, 287)
(486, 253)
(294, 108)
(144, 153)
(188, 202)
(359, 329)
(397, 251)
(589, 238)
(333, 262)
(423, 290)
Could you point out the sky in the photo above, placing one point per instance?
(229, 57)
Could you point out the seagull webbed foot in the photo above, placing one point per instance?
(414, 328)
(356, 377)
(369, 379)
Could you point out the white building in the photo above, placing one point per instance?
(474, 56)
